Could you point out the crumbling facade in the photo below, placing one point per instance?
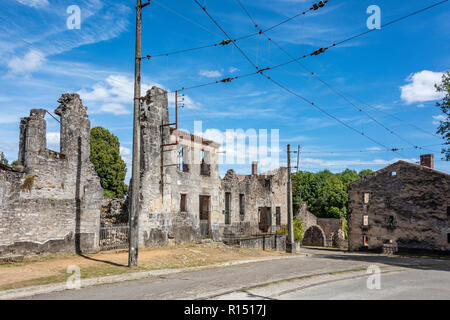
(51, 201)
(183, 198)
(256, 203)
(402, 207)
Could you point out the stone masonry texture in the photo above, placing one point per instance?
(51, 202)
(404, 205)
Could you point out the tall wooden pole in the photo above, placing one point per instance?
(290, 245)
(135, 180)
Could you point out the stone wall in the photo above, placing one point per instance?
(326, 232)
(114, 212)
(258, 191)
(51, 202)
(403, 204)
(163, 182)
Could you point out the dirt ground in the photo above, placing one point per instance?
(52, 268)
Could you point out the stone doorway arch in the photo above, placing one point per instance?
(314, 236)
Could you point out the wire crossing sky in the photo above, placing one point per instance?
(378, 82)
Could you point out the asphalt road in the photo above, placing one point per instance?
(316, 275)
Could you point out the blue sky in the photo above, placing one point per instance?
(393, 70)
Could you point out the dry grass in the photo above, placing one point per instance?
(52, 268)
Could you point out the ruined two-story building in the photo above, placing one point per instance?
(404, 207)
(182, 196)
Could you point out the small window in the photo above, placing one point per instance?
(183, 203)
(448, 237)
(366, 220)
(448, 212)
(366, 241)
(366, 197)
(394, 173)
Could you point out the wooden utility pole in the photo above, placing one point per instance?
(135, 179)
(290, 245)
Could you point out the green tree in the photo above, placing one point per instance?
(105, 155)
(444, 125)
(325, 193)
(364, 173)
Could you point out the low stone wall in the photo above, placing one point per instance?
(269, 242)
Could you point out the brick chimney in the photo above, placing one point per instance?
(427, 160)
(254, 168)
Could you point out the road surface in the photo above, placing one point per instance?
(316, 274)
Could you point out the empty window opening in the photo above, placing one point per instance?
(394, 173)
(448, 237)
(183, 203)
(366, 197)
(242, 205)
(448, 212)
(181, 160)
(365, 220)
(278, 215)
(205, 167)
(366, 241)
(227, 207)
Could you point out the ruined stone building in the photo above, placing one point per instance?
(182, 195)
(254, 203)
(51, 201)
(403, 206)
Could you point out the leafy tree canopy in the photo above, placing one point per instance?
(325, 193)
(444, 125)
(105, 155)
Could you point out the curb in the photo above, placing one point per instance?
(85, 283)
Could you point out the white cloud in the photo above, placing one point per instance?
(114, 108)
(32, 61)
(233, 69)
(53, 139)
(34, 3)
(115, 95)
(124, 151)
(421, 87)
(210, 73)
(316, 163)
(438, 119)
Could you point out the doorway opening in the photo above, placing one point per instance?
(205, 215)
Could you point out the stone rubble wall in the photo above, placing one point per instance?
(416, 197)
(51, 202)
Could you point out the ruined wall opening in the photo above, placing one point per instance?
(242, 206)
(265, 219)
(205, 215)
(278, 216)
(314, 236)
(227, 207)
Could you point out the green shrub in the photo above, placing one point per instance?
(298, 230)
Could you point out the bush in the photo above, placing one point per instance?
(298, 230)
